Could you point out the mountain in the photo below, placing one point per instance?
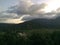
(32, 24)
(42, 23)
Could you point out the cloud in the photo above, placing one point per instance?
(26, 7)
(34, 8)
(26, 10)
(14, 21)
(8, 15)
(18, 20)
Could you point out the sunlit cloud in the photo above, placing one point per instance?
(18, 20)
(52, 5)
(27, 9)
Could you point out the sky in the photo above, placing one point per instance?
(4, 4)
(18, 11)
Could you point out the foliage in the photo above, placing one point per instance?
(31, 38)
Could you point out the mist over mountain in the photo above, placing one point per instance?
(37, 23)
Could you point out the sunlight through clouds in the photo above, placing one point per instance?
(22, 10)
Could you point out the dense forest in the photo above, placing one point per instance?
(31, 37)
(33, 32)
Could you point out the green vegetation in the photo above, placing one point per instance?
(31, 37)
(34, 32)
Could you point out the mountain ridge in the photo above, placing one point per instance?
(33, 24)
